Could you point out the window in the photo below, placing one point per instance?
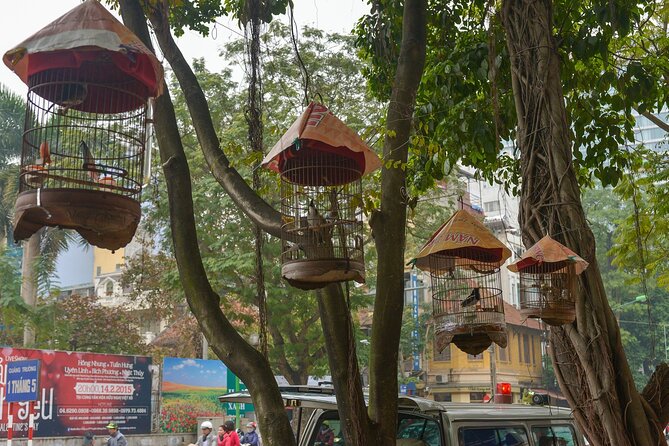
(526, 348)
(478, 357)
(445, 354)
(492, 436)
(534, 355)
(99, 271)
(443, 397)
(109, 288)
(502, 355)
(419, 428)
(554, 435)
(329, 431)
(118, 267)
(476, 397)
(492, 206)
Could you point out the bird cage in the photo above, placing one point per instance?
(321, 162)
(548, 282)
(82, 162)
(463, 258)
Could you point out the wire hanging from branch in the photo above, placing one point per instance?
(255, 135)
(303, 68)
(642, 264)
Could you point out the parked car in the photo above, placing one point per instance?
(435, 423)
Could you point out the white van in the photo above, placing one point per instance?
(433, 423)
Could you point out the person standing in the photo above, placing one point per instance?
(207, 437)
(227, 435)
(250, 438)
(116, 438)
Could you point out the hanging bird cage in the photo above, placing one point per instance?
(321, 162)
(548, 282)
(463, 258)
(89, 81)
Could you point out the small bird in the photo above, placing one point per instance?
(314, 218)
(358, 242)
(472, 299)
(292, 247)
(45, 153)
(71, 95)
(89, 162)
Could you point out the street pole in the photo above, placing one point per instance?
(237, 404)
(493, 371)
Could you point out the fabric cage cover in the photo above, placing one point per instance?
(319, 130)
(85, 35)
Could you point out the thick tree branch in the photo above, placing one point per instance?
(245, 361)
(337, 326)
(259, 211)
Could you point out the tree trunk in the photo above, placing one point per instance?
(245, 361)
(29, 282)
(587, 355)
(389, 225)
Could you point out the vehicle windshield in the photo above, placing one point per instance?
(493, 436)
(554, 435)
(424, 430)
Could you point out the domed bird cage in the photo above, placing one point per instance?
(463, 258)
(321, 162)
(548, 273)
(82, 160)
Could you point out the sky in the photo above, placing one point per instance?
(26, 17)
(195, 372)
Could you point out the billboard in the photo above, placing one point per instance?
(190, 389)
(80, 392)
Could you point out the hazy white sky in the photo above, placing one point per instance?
(25, 17)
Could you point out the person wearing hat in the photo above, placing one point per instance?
(207, 437)
(250, 437)
(227, 435)
(116, 438)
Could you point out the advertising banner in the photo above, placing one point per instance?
(190, 389)
(80, 392)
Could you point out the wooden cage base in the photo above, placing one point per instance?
(473, 340)
(312, 274)
(552, 316)
(103, 219)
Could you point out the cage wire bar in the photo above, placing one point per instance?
(548, 292)
(468, 307)
(322, 232)
(83, 135)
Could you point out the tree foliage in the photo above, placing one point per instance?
(614, 58)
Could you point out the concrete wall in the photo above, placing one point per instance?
(100, 440)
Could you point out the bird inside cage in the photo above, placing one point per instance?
(320, 232)
(69, 95)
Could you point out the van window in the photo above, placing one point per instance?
(562, 435)
(329, 430)
(419, 428)
(493, 436)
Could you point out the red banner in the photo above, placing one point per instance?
(80, 392)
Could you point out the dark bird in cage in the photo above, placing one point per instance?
(71, 95)
(472, 299)
(89, 162)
